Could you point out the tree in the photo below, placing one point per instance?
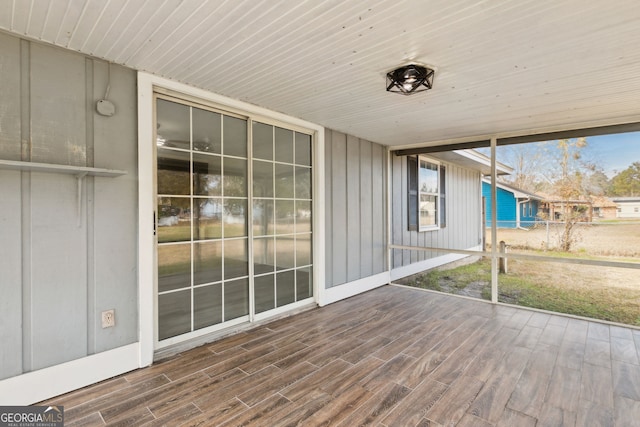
(569, 187)
(562, 170)
(527, 160)
(597, 183)
(627, 182)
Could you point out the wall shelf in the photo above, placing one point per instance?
(65, 169)
(80, 172)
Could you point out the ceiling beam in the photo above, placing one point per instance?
(441, 148)
(575, 133)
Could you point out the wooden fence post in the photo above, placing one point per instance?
(502, 262)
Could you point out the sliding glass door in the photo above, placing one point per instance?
(212, 268)
(281, 216)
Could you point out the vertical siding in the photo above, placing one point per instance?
(399, 221)
(10, 201)
(355, 221)
(506, 207)
(352, 242)
(60, 270)
(10, 89)
(463, 215)
(115, 210)
(59, 259)
(378, 208)
(338, 231)
(328, 208)
(10, 276)
(366, 210)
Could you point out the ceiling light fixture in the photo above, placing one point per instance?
(412, 78)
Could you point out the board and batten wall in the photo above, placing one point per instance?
(59, 269)
(355, 209)
(463, 229)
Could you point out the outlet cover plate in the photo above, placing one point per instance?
(108, 318)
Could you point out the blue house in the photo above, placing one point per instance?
(516, 208)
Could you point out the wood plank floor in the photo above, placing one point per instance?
(394, 356)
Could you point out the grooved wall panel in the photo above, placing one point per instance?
(10, 96)
(356, 214)
(338, 196)
(67, 252)
(379, 207)
(57, 106)
(462, 231)
(353, 236)
(10, 275)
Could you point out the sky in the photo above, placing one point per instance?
(612, 153)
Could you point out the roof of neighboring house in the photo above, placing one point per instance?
(517, 192)
(554, 198)
(602, 202)
(471, 159)
(626, 199)
(595, 201)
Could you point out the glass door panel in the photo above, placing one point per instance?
(202, 218)
(282, 206)
(221, 237)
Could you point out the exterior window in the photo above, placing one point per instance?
(412, 193)
(530, 209)
(443, 196)
(426, 194)
(429, 193)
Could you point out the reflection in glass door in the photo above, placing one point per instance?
(203, 275)
(281, 216)
(209, 260)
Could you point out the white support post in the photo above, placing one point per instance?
(494, 231)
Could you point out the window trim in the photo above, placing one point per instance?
(435, 194)
(147, 85)
(413, 194)
(442, 189)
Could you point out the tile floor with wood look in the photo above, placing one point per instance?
(391, 357)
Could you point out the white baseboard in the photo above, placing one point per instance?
(356, 287)
(418, 267)
(43, 384)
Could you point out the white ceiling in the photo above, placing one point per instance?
(502, 67)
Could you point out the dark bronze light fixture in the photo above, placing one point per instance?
(412, 78)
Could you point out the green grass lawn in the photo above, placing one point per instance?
(604, 303)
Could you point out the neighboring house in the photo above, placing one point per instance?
(587, 209)
(516, 208)
(627, 207)
(603, 208)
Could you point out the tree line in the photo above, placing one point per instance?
(562, 171)
(551, 167)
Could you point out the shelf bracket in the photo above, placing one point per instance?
(80, 172)
(79, 180)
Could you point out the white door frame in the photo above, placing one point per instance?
(146, 197)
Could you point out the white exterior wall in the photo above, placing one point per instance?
(463, 229)
(68, 251)
(630, 209)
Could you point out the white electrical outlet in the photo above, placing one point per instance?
(108, 318)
